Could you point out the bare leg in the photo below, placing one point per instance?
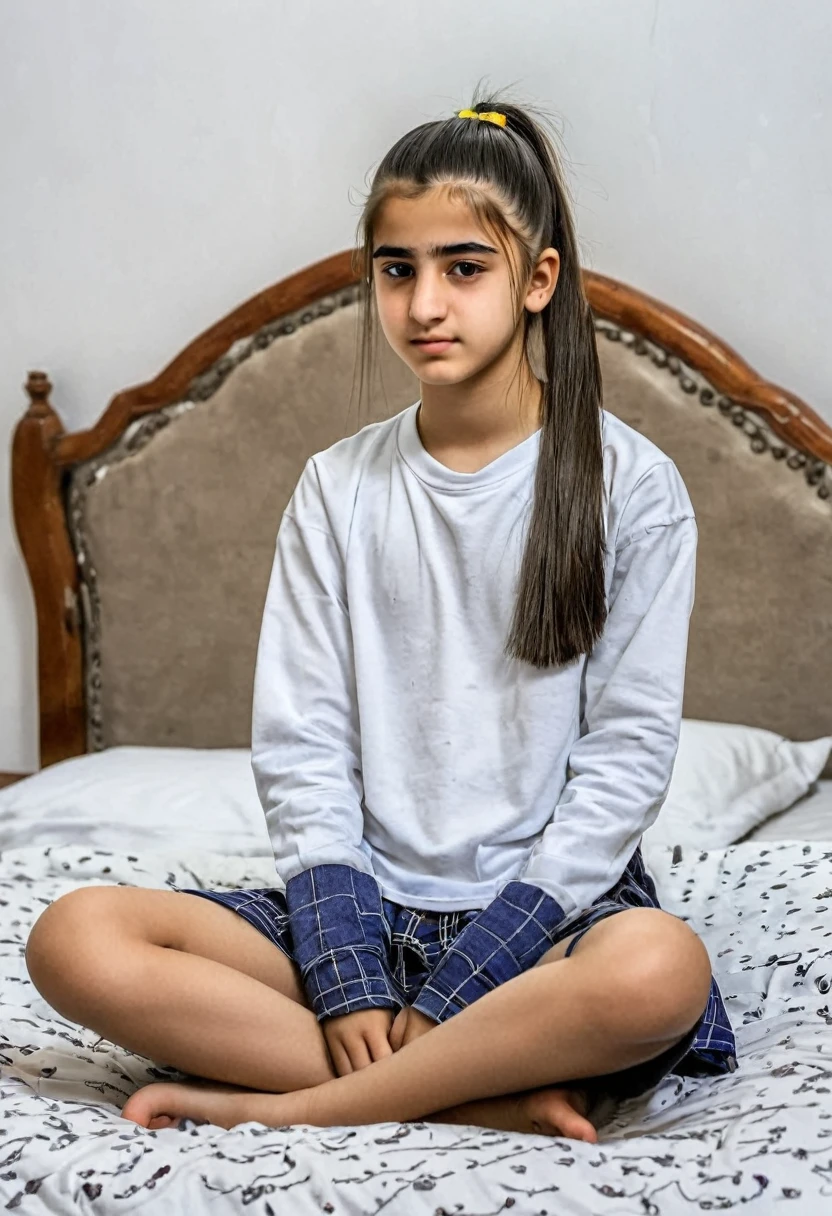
(547, 1026)
(194, 1013)
(221, 1018)
(551, 1110)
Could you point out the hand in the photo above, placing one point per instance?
(409, 1024)
(358, 1039)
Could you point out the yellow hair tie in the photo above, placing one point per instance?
(490, 116)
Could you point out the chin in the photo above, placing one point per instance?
(440, 375)
(439, 371)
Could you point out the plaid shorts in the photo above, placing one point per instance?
(419, 940)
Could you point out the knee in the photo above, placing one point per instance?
(59, 942)
(674, 973)
(664, 973)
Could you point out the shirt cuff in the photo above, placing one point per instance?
(506, 938)
(341, 938)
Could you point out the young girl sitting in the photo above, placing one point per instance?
(466, 712)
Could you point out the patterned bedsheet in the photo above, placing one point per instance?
(757, 1140)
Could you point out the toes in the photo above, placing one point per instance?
(151, 1107)
(581, 1129)
(134, 1114)
(572, 1126)
(578, 1129)
(561, 1112)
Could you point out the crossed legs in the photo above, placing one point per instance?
(203, 991)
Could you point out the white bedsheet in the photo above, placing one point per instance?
(757, 1140)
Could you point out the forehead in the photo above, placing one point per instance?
(419, 223)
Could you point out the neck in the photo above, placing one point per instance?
(482, 417)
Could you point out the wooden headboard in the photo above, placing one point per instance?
(149, 537)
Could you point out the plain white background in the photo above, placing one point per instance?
(163, 160)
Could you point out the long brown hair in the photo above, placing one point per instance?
(512, 180)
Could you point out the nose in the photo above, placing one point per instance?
(427, 300)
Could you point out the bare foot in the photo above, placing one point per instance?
(164, 1103)
(552, 1111)
(561, 1111)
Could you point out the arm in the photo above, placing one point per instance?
(621, 764)
(340, 937)
(306, 762)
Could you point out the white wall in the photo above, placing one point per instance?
(163, 160)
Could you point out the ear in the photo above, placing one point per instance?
(543, 280)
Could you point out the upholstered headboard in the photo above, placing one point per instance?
(150, 537)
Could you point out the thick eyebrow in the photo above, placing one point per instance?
(434, 251)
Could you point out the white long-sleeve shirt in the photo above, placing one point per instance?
(390, 731)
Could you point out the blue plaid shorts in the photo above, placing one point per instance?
(419, 940)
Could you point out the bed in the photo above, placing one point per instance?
(148, 539)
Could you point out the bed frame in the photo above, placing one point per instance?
(149, 537)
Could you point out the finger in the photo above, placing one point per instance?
(380, 1047)
(359, 1053)
(340, 1058)
(394, 1036)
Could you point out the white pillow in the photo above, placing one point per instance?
(809, 819)
(140, 797)
(727, 779)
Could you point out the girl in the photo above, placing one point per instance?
(464, 720)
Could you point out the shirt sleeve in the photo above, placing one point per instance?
(305, 756)
(620, 765)
(506, 938)
(341, 940)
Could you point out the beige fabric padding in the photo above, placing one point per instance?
(180, 535)
(760, 647)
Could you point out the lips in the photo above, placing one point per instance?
(434, 345)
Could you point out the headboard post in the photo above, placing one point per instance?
(40, 519)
